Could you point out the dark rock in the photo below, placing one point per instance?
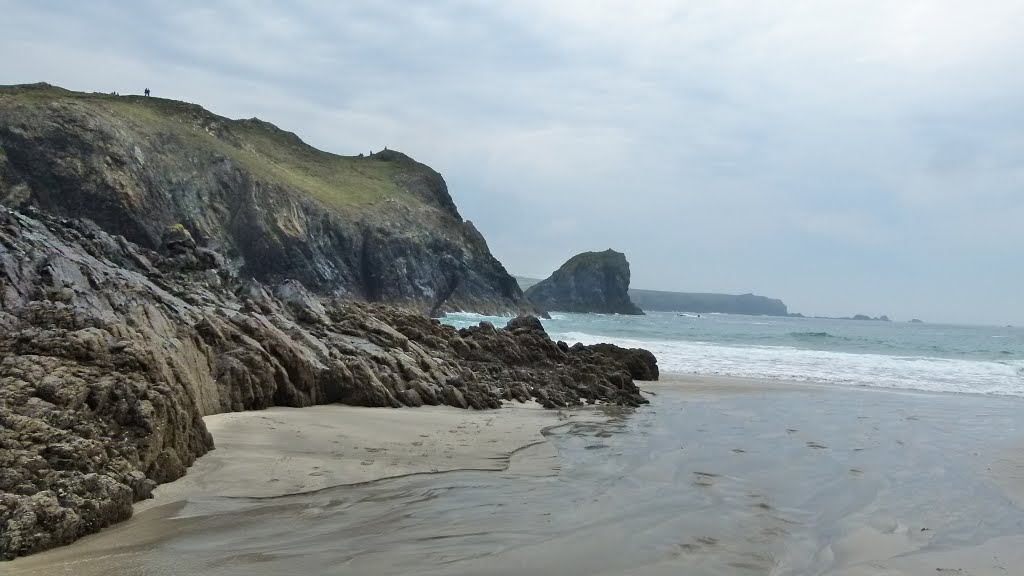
(107, 367)
(302, 303)
(882, 318)
(525, 324)
(641, 364)
(588, 282)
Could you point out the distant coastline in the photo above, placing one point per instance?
(695, 302)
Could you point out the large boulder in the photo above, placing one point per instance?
(641, 364)
(588, 282)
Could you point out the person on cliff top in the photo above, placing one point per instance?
(147, 92)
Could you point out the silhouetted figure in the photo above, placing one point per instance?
(147, 92)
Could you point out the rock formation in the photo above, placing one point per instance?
(111, 352)
(588, 282)
(381, 228)
(882, 318)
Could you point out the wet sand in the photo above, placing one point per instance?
(282, 451)
(717, 476)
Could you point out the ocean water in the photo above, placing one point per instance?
(931, 357)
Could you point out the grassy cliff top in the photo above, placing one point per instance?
(269, 153)
(594, 259)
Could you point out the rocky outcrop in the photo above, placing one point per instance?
(380, 228)
(703, 303)
(588, 282)
(882, 318)
(641, 364)
(112, 351)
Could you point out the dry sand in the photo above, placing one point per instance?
(282, 451)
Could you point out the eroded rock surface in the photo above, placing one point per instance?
(587, 282)
(111, 353)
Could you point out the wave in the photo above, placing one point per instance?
(831, 367)
(817, 336)
(467, 319)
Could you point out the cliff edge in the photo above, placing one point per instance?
(380, 228)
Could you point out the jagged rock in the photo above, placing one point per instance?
(302, 302)
(109, 358)
(588, 282)
(641, 364)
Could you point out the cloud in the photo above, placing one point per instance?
(811, 150)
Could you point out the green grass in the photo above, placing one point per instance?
(589, 259)
(270, 155)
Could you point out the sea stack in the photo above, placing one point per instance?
(588, 282)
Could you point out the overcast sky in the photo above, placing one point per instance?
(846, 156)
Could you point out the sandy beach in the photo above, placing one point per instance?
(282, 451)
(716, 476)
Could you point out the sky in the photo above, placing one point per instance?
(845, 156)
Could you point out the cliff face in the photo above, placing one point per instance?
(750, 304)
(154, 271)
(111, 353)
(588, 282)
(381, 228)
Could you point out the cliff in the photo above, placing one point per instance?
(113, 351)
(154, 265)
(588, 282)
(750, 304)
(380, 228)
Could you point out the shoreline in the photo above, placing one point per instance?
(738, 437)
(715, 382)
(285, 451)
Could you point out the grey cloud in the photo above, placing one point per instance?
(858, 157)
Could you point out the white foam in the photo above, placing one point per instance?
(467, 319)
(786, 363)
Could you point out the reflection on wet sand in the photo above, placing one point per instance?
(797, 481)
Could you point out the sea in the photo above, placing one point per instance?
(915, 356)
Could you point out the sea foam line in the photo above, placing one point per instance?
(787, 363)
